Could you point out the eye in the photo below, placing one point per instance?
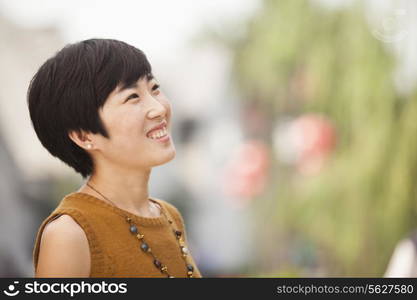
(132, 96)
(156, 88)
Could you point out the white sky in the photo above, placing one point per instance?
(155, 26)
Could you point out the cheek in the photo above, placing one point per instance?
(165, 102)
(127, 127)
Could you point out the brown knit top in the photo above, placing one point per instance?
(114, 250)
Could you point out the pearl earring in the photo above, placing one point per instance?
(89, 146)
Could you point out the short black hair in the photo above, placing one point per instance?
(69, 88)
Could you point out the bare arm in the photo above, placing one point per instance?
(64, 250)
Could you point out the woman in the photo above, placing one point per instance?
(97, 107)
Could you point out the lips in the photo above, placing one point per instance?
(158, 127)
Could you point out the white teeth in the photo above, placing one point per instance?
(159, 133)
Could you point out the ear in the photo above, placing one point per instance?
(82, 139)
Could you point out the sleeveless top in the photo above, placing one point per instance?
(114, 250)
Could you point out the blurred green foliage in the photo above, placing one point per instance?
(298, 57)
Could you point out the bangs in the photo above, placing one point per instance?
(121, 65)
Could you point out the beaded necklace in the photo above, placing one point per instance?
(144, 246)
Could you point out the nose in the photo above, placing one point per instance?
(157, 109)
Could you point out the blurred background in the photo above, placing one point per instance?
(294, 123)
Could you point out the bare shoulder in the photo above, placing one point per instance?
(64, 250)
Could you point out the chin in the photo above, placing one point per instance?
(165, 159)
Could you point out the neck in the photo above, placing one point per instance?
(127, 189)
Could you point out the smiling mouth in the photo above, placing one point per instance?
(158, 134)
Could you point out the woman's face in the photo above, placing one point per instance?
(128, 115)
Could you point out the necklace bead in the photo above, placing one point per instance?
(190, 267)
(133, 229)
(144, 247)
(157, 263)
(140, 236)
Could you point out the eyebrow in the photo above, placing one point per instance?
(133, 85)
